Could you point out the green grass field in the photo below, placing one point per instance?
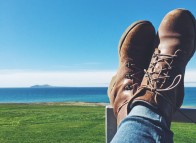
(61, 123)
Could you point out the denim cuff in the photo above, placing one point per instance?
(148, 112)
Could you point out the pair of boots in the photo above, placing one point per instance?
(152, 66)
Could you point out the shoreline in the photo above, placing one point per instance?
(60, 103)
(73, 104)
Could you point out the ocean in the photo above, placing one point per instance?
(73, 94)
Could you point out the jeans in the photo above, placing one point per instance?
(143, 125)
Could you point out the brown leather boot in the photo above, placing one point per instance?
(163, 84)
(135, 51)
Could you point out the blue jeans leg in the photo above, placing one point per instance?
(143, 125)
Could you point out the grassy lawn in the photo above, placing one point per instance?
(184, 132)
(43, 123)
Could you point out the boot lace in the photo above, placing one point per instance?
(162, 76)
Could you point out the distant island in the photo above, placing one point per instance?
(41, 86)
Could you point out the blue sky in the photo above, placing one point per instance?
(69, 42)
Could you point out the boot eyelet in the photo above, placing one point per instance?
(128, 64)
(128, 87)
(129, 76)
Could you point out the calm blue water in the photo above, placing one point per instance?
(29, 95)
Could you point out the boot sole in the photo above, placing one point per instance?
(194, 25)
(178, 105)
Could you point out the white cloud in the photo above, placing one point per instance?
(190, 78)
(19, 78)
(26, 78)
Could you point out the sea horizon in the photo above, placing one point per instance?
(70, 94)
(50, 86)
